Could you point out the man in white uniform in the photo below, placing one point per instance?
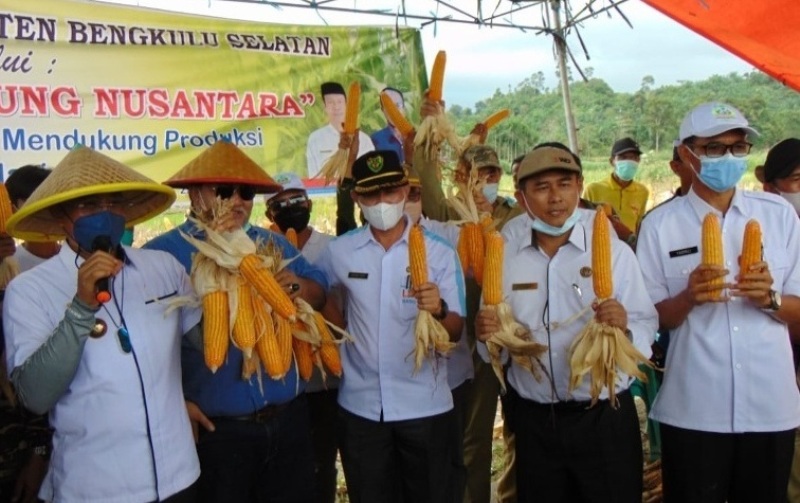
(728, 404)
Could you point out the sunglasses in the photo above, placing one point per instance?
(292, 201)
(246, 192)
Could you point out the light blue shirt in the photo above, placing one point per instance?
(544, 291)
(729, 367)
(378, 366)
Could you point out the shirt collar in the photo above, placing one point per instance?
(702, 208)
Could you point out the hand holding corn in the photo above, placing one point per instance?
(486, 323)
(611, 313)
(754, 285)
(428, 298)
(704, 283)
(286, 279)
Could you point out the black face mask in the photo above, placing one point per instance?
(294, 217)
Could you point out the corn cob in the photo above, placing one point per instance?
(5, 208)
(493, 275)
(463, 249)
(249, 366)
(751, 246)
(496, 118)
(606, 208)
(305, 358)
(268, 349)
(417, 257)
(264, 282)
(395, 116)
(476, 250)
(216, 331)
(328, 351)
(244, 333)
(601, 257)
(712, 250)
(437, 77)
(291, 236)
(353, 104)
(283, 333)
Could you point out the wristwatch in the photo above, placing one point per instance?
(774, 301)
(443, 310)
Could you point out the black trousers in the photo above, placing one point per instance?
(700, 466)
(570, 453)
(460, 394)
(399, 461)
(323, 408)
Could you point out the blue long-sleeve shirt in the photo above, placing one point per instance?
(226, 393)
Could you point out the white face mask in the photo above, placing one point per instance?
(793, 198)
(383, 216)
(490, 191)
(414, 210)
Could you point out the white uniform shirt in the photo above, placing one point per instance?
(459, 361)
(324, 142)
(729, 366)
(100, 446)
(543, 290)
(316, 244)
(378, 365)
(26, 259)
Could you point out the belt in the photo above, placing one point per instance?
(265, 415)
(574, 405)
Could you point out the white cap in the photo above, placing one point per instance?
(711, 119)
(288, 181)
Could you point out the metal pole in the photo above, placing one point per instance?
(561, 54)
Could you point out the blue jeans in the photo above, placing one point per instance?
(258, 462)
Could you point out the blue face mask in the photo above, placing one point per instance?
(550, 230)
(104, 223)
(721, 174)
(490, 191)
(625, 169)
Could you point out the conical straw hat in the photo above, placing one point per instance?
(81, 173)
(223, 162)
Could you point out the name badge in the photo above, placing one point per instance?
(684, 251)
(524, 286)
(358, 275)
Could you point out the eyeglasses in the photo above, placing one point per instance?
(414, 194)
(246, 192)
(716, 149)
(285, 203)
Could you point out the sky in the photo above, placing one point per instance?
(482, 59)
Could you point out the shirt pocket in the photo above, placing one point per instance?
(677, 271)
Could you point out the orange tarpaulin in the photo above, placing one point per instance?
(765, 33)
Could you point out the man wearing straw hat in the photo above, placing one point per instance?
(108, 373)
(255, 444)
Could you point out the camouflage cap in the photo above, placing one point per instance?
(480, 156)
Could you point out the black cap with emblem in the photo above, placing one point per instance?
(376, 170)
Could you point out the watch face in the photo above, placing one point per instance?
(776, 300)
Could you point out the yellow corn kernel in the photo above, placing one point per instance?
(291, 236)
(5, 208)
(602, 280)
(496, 118)
(268, 349)
(395, 116)
(259, 277)
(476, 250)
(353, 104)
(486, 223)
(463, 249)
(751, 246)
(328, 352)
(244, 328)
(305, 359)
(283, 333)
(606, 208)
(216, 332)
(493, 275)
(437, 77)
(712, 249)
(417, 256)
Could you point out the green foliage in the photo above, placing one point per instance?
(652, 114)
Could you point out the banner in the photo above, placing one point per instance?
(153, 89)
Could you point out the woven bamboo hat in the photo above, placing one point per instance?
(223, 162)
(81, 173)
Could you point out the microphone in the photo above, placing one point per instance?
(103, 294)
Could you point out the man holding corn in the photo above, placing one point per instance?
(255, 442)
(108, 374)
(566, 448)
(729, 403)
(394, 422)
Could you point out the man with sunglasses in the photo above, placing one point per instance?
(394, 423)
(254, 445)
(728, 404)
